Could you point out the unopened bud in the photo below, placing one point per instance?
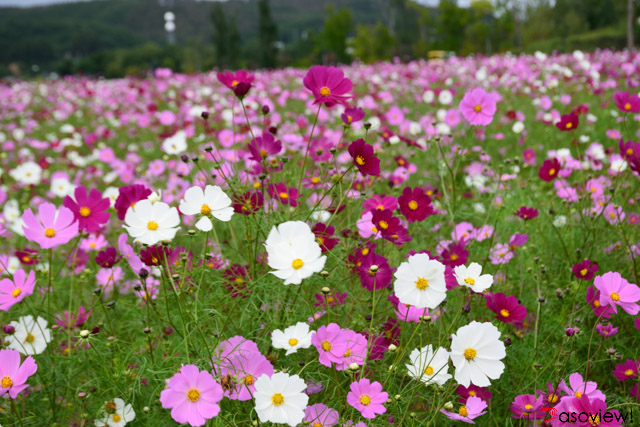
(84, 334)
(448, 406)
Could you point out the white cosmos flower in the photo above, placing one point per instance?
(420, 282)
(175, 144)
(280, 399)
(150, 223)
(476, 353)
(293, 338)
(27, 173)
(293, 252)
(429, 366)
(428, 97)
(472, 277)
(210, 201)
(117, 414)
(30, 336)
(445, 97)
(61, 186)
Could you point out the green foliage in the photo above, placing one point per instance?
(372, 44)
(333, 38)
(268, 35)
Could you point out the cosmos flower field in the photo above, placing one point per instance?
(431, 243)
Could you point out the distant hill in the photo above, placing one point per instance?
(41, 35)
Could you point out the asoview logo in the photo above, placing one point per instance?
(549, 415)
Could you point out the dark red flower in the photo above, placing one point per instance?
(334, 299)
(585, 270)
(363, 158)
(455, 254)
(249, 203)
(415, 205)
(108, 258)
(242, 89)
(549, 170)
(27, 256)
(325, 236)
(527, 213)
(375, 272)
(506, 308)
(473, 390)
(354, 260)
(155, 255)
(568, 122)
(629, 149)
(128, 196)
(386, 224)
(236, 281)
(282, 193)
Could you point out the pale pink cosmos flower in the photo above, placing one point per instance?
(13, 375)
(51, 227)
(368, 398)
(478, 107)
(14, 291)
(330, 341)
(320, 415)
(577, 387)
(616, 291)
(501, 254)
(473, 408)
(129, 254)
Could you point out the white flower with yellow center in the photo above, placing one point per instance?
(280, 399)
(30, 336)
(476, 353)
(293, 338)
(293, 252)
(420, 282)
(472, 277)
(429, 366)
(210, 202)
(117, 414)
(27, 173)
(175, 144)
(150, 223)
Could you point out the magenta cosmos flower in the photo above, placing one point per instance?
(192, 395)
(415, 205)
(363, 158)
(128, 196)
(478, 107)
(616, 291)
(506, 308)
(549, 170)
(585, 270)
(368, 398)
(627, 370)
(13, 376)
(51, 228)
(352, 115)
(263, 146)
(14, 291)
(89, 208)
(627, 103)
(328, 85)
(231, 80)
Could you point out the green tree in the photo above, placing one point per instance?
(333, 38)
(268, 35)
(450, 25)
(226, 37)
(372, 44)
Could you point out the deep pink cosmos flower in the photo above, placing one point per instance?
(27, 256)
(549, 170)
(367, 397)
(527, 213)
(473, 390)
(526, 406)
(192, 395)
(263, 146)
(506, 308)
(518, 240)
(380, 203)
(415, 205)
(13, 375)
(233, 79)
(331, 344)
(333, 300)
(14, 291)
(472, 408)
(320, 415)
(325, 236)
(529, 157)
(627, 370)
(454, 254)
(593, 299)
(68, 320)
(89, 208)
(108, 258)
(363, 158)
(606, 330)
(585, 270)
(627, 103)
(352, 115)
(374, 272)
(248, 203)
(128, 196)
(328, 85)
(51, 228)
(568, 122)
(595, 408)
(616, 291)
(283, 194)
(478, 107)
(629, 149)
(385, 223)
(236, 281)
(156, 254)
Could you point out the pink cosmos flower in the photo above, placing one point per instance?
(233, 79)
(380, 203)
(89, 208)
(128, 253)
(192, 395)
(320, 415)
(263, 146)
(331, 344)
(14, 291)
(593, 299)
(368, 398)
(51, 227)
(501, 254)
(616, 291)
(473, 408)
(627, 370)
(577, 387)
(13, 375)
(352, 115)
(356, 350)
(247, 371)
(328, 85)
(478, 107)
(606, 330)
(526, 406)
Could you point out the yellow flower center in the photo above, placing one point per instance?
(627, 106)
(454, 257)
(422, 283)
(472, 393)
(248, 380)
(50, 232)
(584, 272)
(594, 421)
(326, 345)
(205, 209)
(463, 411)
(596, 303)
(293, 342)
(413, 205)
(504, 312)
(152, 225)
(116, 418)
(284, 195)
(234, 83)
(277, 399)
(470, 353)
(315, 180)
(316, 425)
(528, 406)
(569, 125)
(193, 395)
(16, 292)
(297, 264)
(26, 258)
(30, 338)
(85, 211)
(325, 91)
(365, 399)
(615, 296)
(578, 394)
(384, 225)
(470, 281)
(552, 171)
(629, 151)
(263, 153)
(360, 160)
(477, 108)
(553, 398)
(428, 371)
(6, 382)
(628, 372)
